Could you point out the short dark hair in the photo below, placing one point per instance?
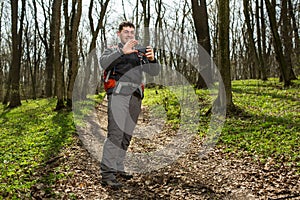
(125, 24)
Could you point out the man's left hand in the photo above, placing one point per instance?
(150, 53)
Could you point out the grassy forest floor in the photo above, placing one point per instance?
(257, 155)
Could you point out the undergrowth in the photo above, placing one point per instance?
(30, 135)
(266, 124)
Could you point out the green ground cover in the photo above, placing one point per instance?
(269, 125)
(266, 125)
(29, 136)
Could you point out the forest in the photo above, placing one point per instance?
(238, 60)
(43, 44)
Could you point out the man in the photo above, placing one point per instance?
(123, 67)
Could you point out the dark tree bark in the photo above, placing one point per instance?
(1, 64)
(95, 31)
(256, 53)
(200, 18)
(263, 34)
(223, 53)
(278, 44)
(55, 38)
(287, 37)
(73, 53)
(49, 49)
(261, 59)
(295, 28)
(17, 48)
(147, 17)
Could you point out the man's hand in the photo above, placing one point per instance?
(128, 47)
(150, 53)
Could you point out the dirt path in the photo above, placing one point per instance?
(216, 175)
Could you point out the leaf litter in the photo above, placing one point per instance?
(215, 175)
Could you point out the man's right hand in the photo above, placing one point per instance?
(128, 47)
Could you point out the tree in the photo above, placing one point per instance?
(1, 64)
(55, 43)
(43, 36)
(200, 18)
(14, 73)
(285, 71)
(93, 62)
(295, 28)
(287, 39)
(256, 52)
(147, 17)
(223, 59)
(95, 31)
(72, 46)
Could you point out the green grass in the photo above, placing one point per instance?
(266, 126)
(29, 136)
(269, 125)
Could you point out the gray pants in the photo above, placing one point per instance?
(123, 112)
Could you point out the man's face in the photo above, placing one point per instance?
(126, 34)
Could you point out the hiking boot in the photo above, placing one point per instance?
(112, 183)
(124, 175)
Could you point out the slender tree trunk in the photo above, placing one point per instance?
(278, 45)
(73, 50)
(223, 52)
(146, 14)
(253, 49)
(200, 18)
(55, 33)
(295, 29)
(92, 63)
(262, 66)
(287, 37)
(48, 89)
(263, 35)
(15, 99)
(1, 65)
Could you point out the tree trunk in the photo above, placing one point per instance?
(278, 45)
(223, 53)
(73, 50)
(55, 33)
(295, 29)
(15, 99)
(287, 37)
(261, 59)
(1, 65)
(253, 50)
(92, 61)
(200, 18)
(263, 35)
(49, 49)
(147, 17)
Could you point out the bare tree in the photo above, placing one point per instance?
(295, 28)
(286, 30)
(72, 44)
(285, 71)
(253, 50)
(55, 43)
(202, 33)
(1, 62)
(15, 99)
(147, 16)
(44, 38)
(223, 51)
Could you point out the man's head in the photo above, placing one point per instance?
(126, 31)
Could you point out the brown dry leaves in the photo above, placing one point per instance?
(216, 175)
